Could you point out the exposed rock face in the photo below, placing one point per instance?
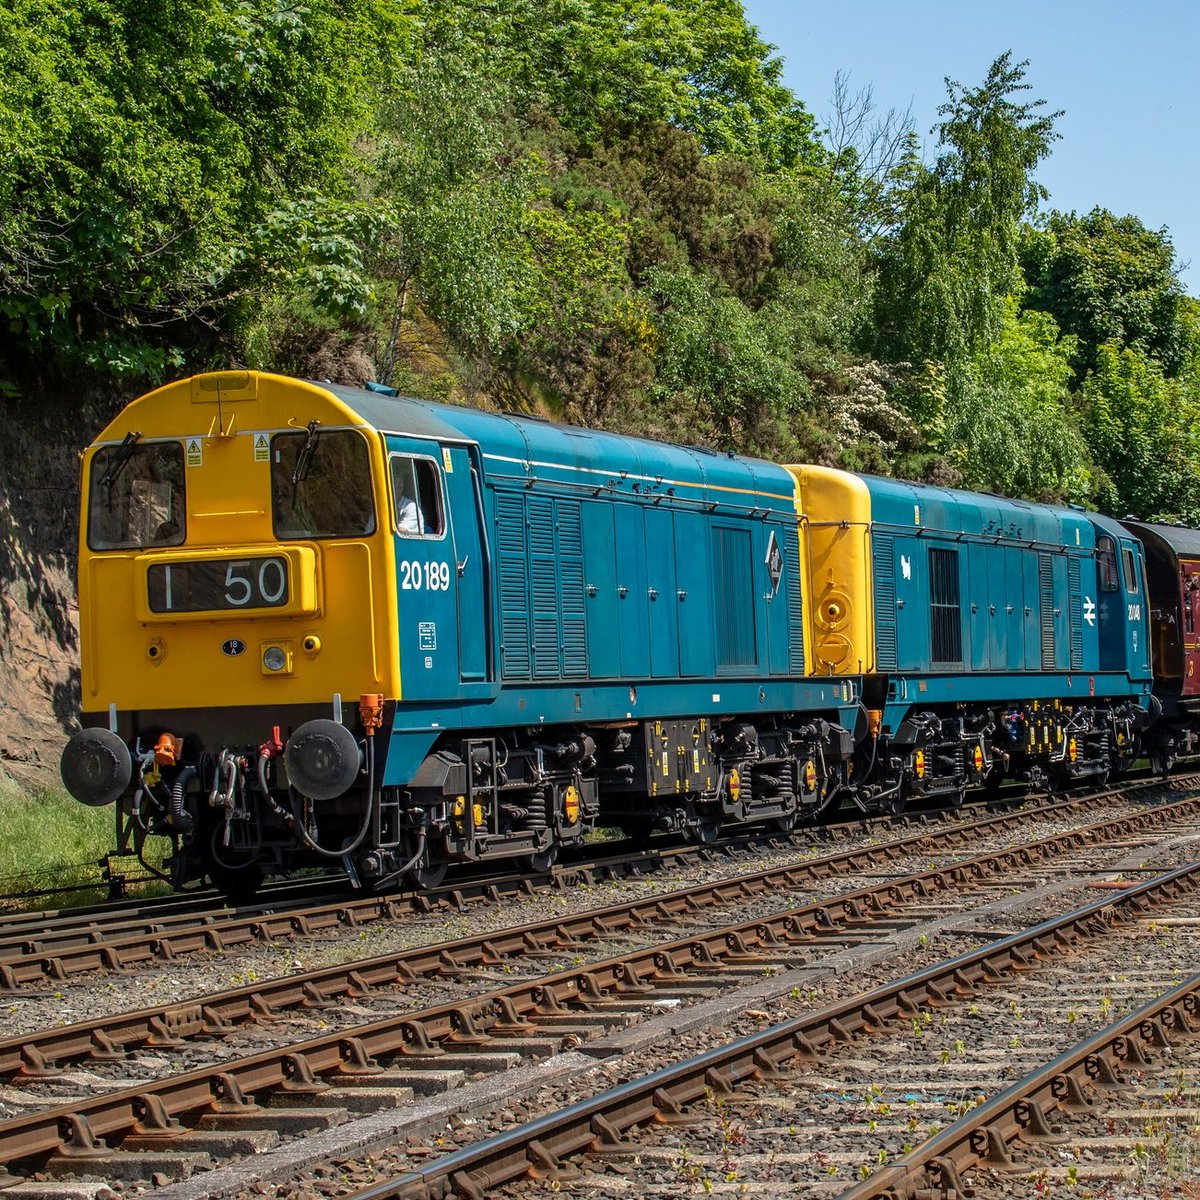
(40, 441)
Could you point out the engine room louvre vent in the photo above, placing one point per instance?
(544, 623)
(945, 609)
(791, 575)
(885, 606)
(543, 581)
(514, 588)
(1046, 604)
(571, 637)
(574, 618)
(1076, 613)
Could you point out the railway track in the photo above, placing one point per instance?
(1126, 1087)
(58, 947)
(31, 1056)
(700, 1120)
(237, 1105)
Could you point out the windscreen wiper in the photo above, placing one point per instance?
(119, 460)
(304, 458)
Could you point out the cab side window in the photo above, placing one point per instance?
(417, 493)
(1131, 574)
(1106, 563)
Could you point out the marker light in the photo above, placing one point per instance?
(571, 804)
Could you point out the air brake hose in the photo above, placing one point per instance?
(180, 819)
(385, 880)
(276, 808)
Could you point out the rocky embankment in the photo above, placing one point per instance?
(39, 627)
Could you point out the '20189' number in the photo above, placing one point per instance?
(433, 576)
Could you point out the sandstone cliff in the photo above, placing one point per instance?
(40, 442)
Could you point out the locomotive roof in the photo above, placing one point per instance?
(396, 414)
(515, 443)
(954, 510)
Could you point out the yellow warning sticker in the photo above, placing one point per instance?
(262, 447)
(447, 461)
(195, 455)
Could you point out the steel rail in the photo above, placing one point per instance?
(38, 1054)
(37, 934)
(601, 1121)
(32, 923)
(1021, 1112)
(151, 1109)
(98, 953)
(59, 953)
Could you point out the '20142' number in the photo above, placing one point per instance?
(433, 576)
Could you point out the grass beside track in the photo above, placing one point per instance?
(49, 839)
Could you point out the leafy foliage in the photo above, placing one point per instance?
(607, 211)
(1010, 427)
(694, 64)
(951, 260)
(148, 135)
(1107, 279)
(1143, 429)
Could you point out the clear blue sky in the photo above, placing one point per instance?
(1124, 74)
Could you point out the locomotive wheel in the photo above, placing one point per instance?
(784, 824)
(703, 833)
(239, 885)
(638, 830)
(429, 876)
(542, 860)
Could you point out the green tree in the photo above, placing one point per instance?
(720, 372)
(1107, 280)
(1144, 430)
(1010, 430)
(146, 136)
(950, 261)
(696, 64)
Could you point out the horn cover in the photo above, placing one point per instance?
(96, 766)
(323, 759)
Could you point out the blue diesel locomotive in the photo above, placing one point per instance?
(328, 623)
